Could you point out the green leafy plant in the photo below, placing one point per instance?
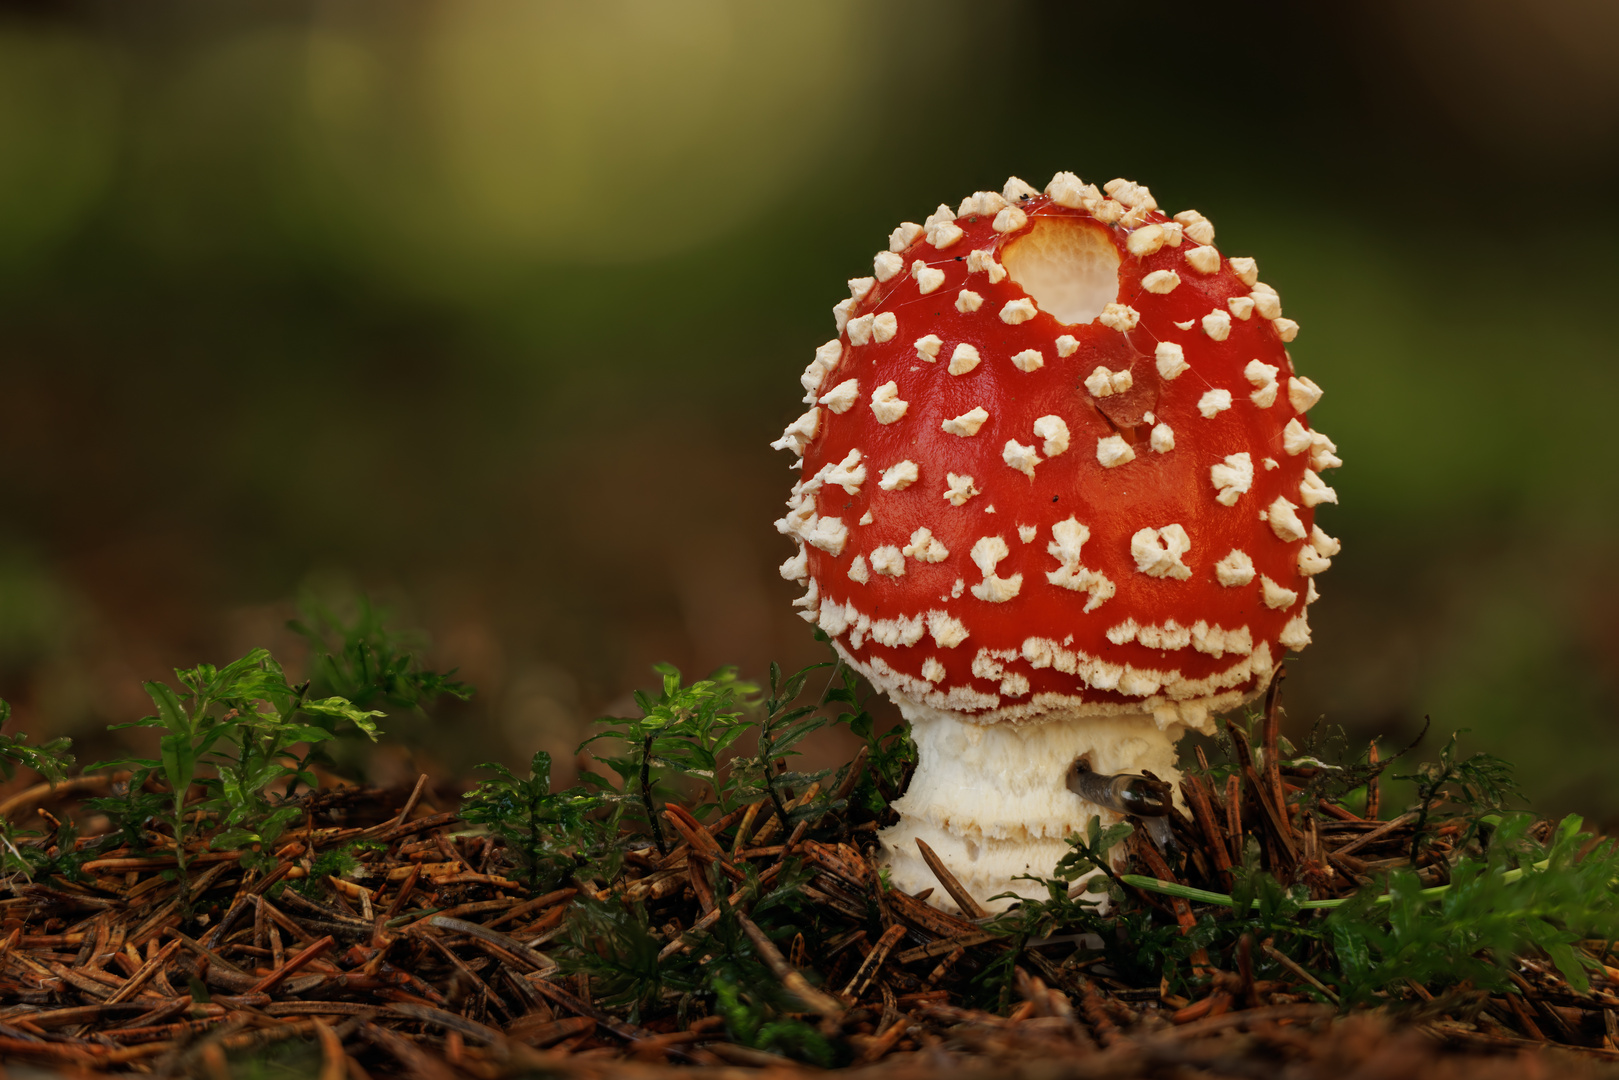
(356, 653)
(1065, 908)
(338, 862)
(362, 661)
(1090, 854)
(680, 736)
(35, 855)
(763, 1020)
(613, 942)
(1509, 896)
(763, 774)
(244, 722)
(551, 834)
(230, 735)
(130, 809)
(759, 1011)
(1519, 897)
(50, 759)
(1478, 784)
(1139, 945)
(890, 756)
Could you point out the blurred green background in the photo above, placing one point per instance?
(490, 308)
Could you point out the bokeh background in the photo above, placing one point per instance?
(490, 308)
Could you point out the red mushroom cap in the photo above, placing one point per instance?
(1006, 516)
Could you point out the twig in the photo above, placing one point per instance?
(1197, 797)
(744, 827)
(538, 961)
(448, 1020)
(141, 977)
(1374, 784)
(785, 972)
(549, 900)
(1148, 853)
(407, 1053)
(40, 792)
(333, 1062)
(884, 1041)
(964, 900)
(274, 979)
(410, 803)
(873, 962)
(1273, 755)
(1376, 834)
(1286, 961)
(1273, 815)
(945, 945)
(852, 777)
(1233, 815)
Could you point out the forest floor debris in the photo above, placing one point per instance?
(1284, 930)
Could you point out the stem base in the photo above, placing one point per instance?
(993, 800)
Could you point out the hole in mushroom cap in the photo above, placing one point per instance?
(1069, 267)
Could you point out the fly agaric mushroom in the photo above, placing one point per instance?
(1056, 498)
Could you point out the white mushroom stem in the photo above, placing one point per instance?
(992, 800)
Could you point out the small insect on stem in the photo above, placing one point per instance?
(1127, 793)
(1145, 798)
